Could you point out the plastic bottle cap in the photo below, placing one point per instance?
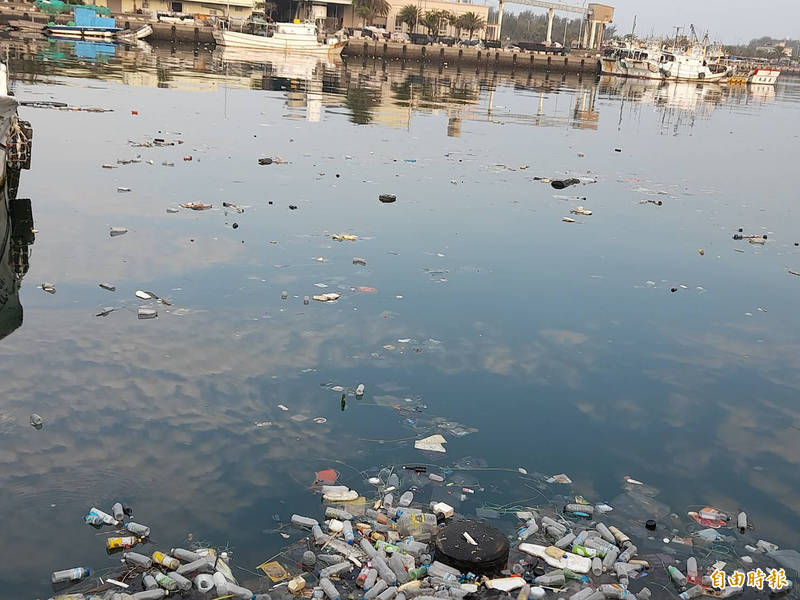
(650, 524)
(88, 572)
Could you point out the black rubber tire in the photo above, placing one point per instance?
(489, 557)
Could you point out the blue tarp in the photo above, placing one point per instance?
(87, 17)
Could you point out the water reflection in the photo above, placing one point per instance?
(374, 92)
(16, 235)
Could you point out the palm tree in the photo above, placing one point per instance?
(471, 22)
(368, 10)
(409, 15)
(433, 20)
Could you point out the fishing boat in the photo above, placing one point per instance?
(301, 38)
(131, 35)
(654, 62)
(87, 25)
(764, 75)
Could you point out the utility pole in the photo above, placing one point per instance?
(633, 29)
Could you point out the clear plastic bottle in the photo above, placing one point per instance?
(418, 573)
(117, 511)
(692, 592)
(347, 531)
(137, 560)
(565, 541)
(186, 556)
(383, 569)
(388, 501)
(554, 578)
(582, 594)
(627, 554)
(107, 518)
(75, 574)
(406, 499)
(599, 544)
(387, 594)
(605, 533)
(610, 558)
(586, 509)
(183, 583)
(691, 568)
(676, 576)
(376, 590)
(367, 547)
(597, 566)
(337, 569)
(411, 546)
(149, 582)
(301, 521)
(136, 529)
(196, 566)
(331, 512)
(319, 537)
(398, 567)
(164, 581)
(372, 578)
(741, 521)
(239, 592)
(394, 480)
(155, 594)
(420, 527)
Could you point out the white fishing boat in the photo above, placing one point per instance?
(764, 75)
(282, 37)
(652, 62)
(130, 35)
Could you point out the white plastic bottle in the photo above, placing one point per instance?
(347, 531)
(137, 560)
(75, 574)
(330, 590)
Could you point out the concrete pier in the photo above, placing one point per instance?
(574, 62)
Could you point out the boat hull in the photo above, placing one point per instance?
(764, 76)
(276, 44)
(81, 33)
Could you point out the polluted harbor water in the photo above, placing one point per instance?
(281, 327)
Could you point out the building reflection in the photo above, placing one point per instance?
(374, 92)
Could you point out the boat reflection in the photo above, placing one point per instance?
(16, 235)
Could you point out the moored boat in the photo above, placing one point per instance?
(654, 62)
(282, 37)
(87, 25)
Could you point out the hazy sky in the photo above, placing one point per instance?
(729, 21)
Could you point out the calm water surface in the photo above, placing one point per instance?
(526, 341)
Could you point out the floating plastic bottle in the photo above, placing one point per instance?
(388, 501)
(596, 595)
(220, 583)
(579, 509)
(164, 581)
(565, 541)
(306, 300)
(367, 547)
(186, 556)
(115, 543)
(644, 594)
(338, 568)
(301, 521)
(420, 527)
(584, 551)
(330, 590)
(117, 511)
(75, 574)
(582, 594)
(554, 578)
(347, 531)
(621, 538)
(610, 558)
(387, 594)
(149, 582)
(691, 568)
(676, 576)
(692, 592)
(136, 529)
(611, 590)
(741, 521)
(239, 591)
(362, 576)
(627, 554)
(360, 389)
(319, 537)
(377, 589)
(383, 569)
(137, 560)
(406, 499)
(106, 518)
(332, 512)
(394, 481)
(418, 573)
(372, 578)
(166, 560)
(600, 545)
(155, 594)
(398, 567)
(201, 564)
(183, 583)
(597, 566)
(605, 533)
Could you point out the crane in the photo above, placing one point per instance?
(551, 7)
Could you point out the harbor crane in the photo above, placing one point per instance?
(604, 15)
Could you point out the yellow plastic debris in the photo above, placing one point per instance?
(274, 570)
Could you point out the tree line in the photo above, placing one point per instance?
(432, 21)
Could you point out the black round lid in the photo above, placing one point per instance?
(489, 556)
